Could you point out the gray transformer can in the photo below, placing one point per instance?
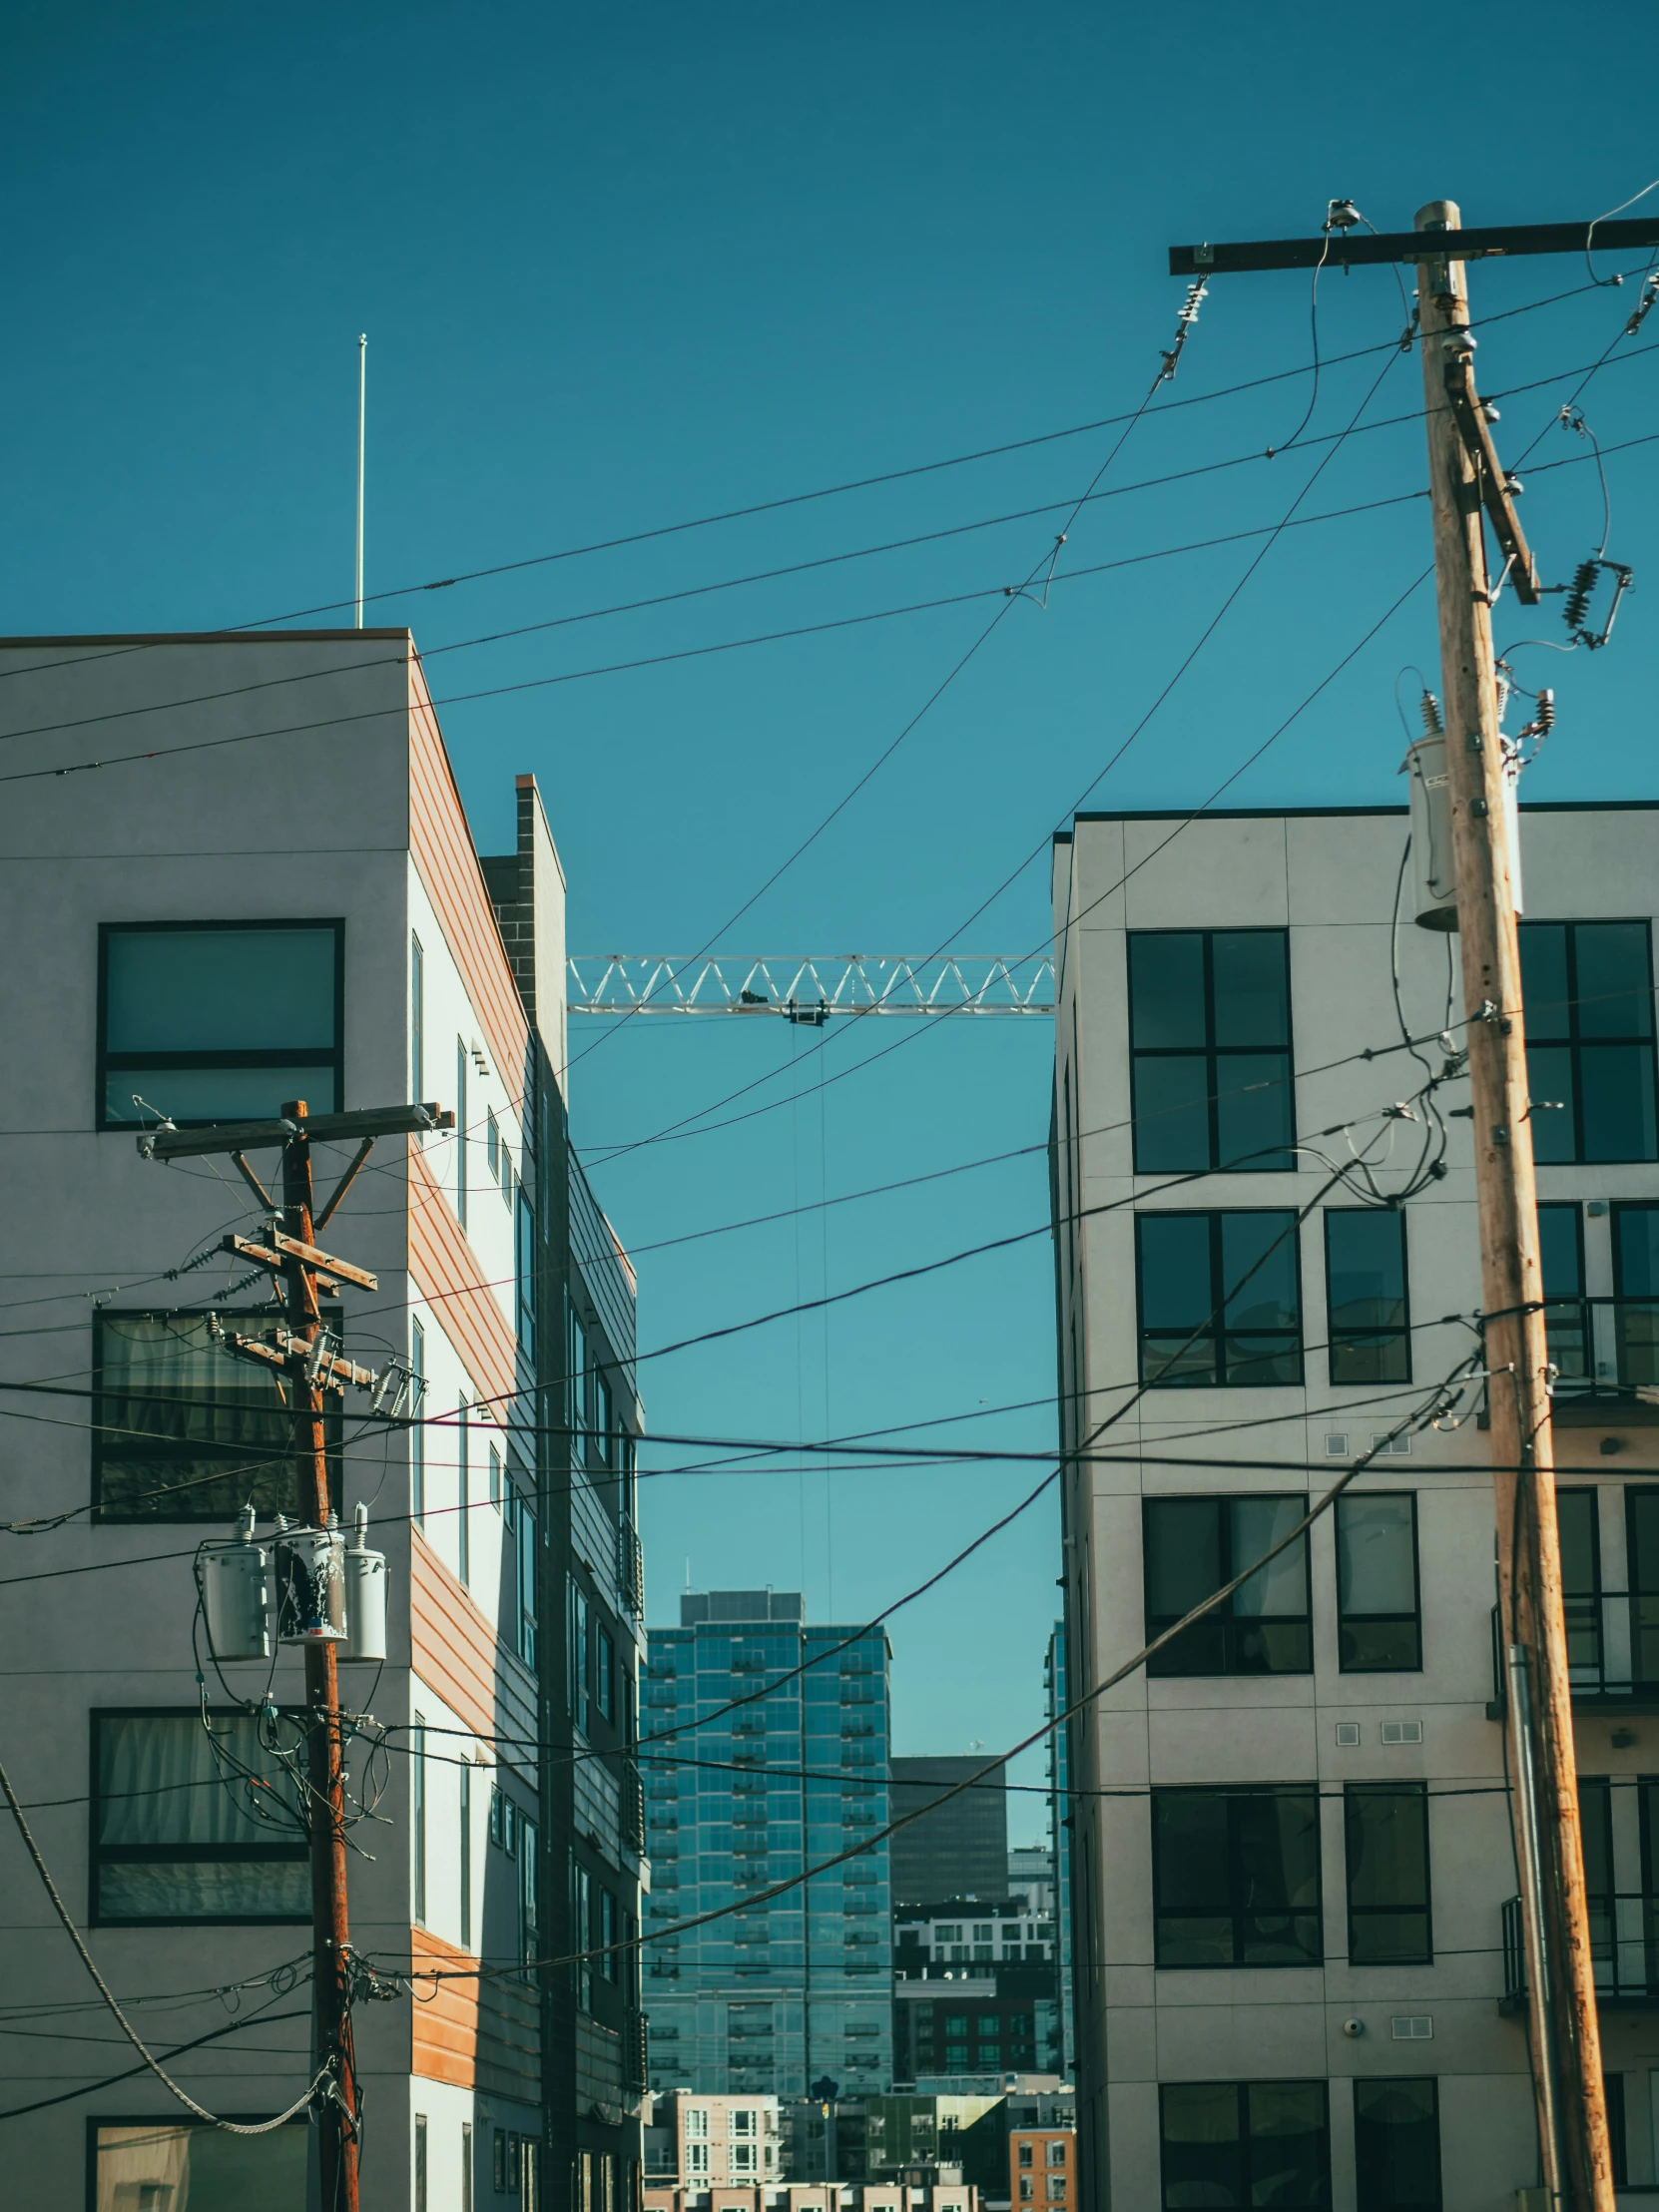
(234, 1582)
(310, 1582)
(365, 1596)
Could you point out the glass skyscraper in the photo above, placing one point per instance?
(764, 1748)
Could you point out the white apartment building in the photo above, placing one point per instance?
(1295, 1975)
(701, 2142)
(236, 870)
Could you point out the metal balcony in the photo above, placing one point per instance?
(1624, 1950)
(1603, 1348)
(1612, 1653)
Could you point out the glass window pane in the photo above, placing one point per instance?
(1575, 1516)
(1258, 1265)
(1559, 1251)
(1281, 1588)
(1203, 2155)
(155, 2167)
(1642, 1523)
(204, 1889)
(1252, 987)
(217, 1094)
(159, 1783)
(1183, 1554)
(1545, 991)
(1615, 998)
(1175, 1269)
(1616, 1083)
(1277, 1839)
(1366, 1258)
(1388, 1848)
(1286, 2143)
(1172, 1114)
(1190, 1840)
(1166, 990)
(1636, 1250)
(1595, 1820)
(1396, 2141)
(1376, 1555)
(220, 990)
(1555, 1129)
(1254, 1104)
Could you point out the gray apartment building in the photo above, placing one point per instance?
(763, 1745)
(256, 883)
(1296, 1968)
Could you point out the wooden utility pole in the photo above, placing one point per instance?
(1466, 481)
(1566, 2044)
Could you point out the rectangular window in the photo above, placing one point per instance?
(495, 1478)
(576, 1657)
(1244, 2143)
(1636, 1287)
(417, 1824)
(604, 1670)
(420, 2171)
(607, 1934)
(1396, 2145)
(219, 1021)
(462, 1067)
(524, 1267)
(417, 1433)
(1364, 1288)
(466, 2166)
(463, 1775)
(1378, 1617)
(189, 1432)
(1236, 1877)
(1193, 1545)
(463, 1498)
(1587, 987)
(1566, 1317)
(1618, 2137)
(1220, 1299)
(167, 2163)
(492, 1142)
(1209, 1035)
(524, 1549)
(418, 1022)
(584, 1936)
(529, 1891)
(179, 1834)
(1387, 1829)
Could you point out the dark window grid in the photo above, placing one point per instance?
(100, 1854)
(1217, 1056)
(1562, 1026)
(1567, 1320)
(1382, 1642)
(1397, 2140)
(1224, 1641)
(1256, 1920)
(110, 1064)
(1241, 2171)
(1278, 1346)
(1408, 1921)
(169, 1453)
(1380, 1352)
(1636, 1315)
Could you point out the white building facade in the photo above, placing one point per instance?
(1294, 1941)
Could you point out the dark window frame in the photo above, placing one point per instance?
(1238, 1909)
(1375, 2190)
(1163, 1665)
(1340, 1341)
(108, 1064)
(1543, 1032)
(1212, 1053)
(1242, 2089)
(107, 1449)
(1356, 1793)
(1220, 1295)
(101, 1855)
(1346, 1615)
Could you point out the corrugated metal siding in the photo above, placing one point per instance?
(446, 1269)
(456, 1650)
(474, 2032)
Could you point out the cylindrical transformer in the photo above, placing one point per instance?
(311, 1581)
(234, 1582)
(365, 1597)
(1432, 871)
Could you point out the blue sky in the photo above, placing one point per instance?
(623, 268)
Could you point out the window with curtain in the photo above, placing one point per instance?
(1389, 1923)
(167, 2163)
(218, 1023)
(1239, 2143)
(1210, 1040)
(1236, 1877)
(185, 1432)
(187, 1827)
(1191, 1547)
(1378, 1615)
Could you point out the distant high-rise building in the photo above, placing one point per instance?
(961, 1848)
(784, 1735)
(1061, 1832)
(1031, 1877)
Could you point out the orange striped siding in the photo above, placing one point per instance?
(445, 2014)
(443, 851)
(454, 1647)
(446, 1266)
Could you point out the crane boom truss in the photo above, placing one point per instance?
(812, 989)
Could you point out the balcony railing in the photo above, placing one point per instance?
(632, 1809)
(1612, 1651)
(1624, 1950)
(636, 2051)
(1603, 1346)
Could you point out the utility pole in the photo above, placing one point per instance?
(1466, 481)
(307, 1357)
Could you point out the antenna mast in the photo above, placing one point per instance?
(362, 397)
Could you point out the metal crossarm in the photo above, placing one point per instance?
(812, 989)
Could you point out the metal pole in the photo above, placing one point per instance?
(331, 1926)
(1577, 2155)
(362, 413)
(1542, 2007)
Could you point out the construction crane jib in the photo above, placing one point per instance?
(812, 988)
